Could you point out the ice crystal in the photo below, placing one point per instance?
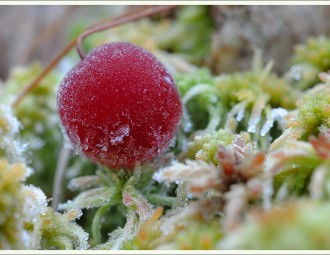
(10, 145)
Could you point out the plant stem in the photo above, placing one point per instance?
(97, 222)
(36, 81)
(59, 174)
(161, 199)
(122, 20)
(128, 17)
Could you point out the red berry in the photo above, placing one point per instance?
(119, 106)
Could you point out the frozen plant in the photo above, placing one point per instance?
(309, 59)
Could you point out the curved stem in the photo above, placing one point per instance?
(59, 173)
(97, 223)
(122, 20)
(131, 16)
(49, 67)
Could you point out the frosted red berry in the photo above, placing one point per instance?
(119, 106)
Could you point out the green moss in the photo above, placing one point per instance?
(250, 85)
(204, 147)
(38, 116)
(308, 61)
(12, 201)
(313, 111)
(61, 232)
(296, 225)
(190, 33)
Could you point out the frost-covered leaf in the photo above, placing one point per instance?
(35, 203)
(84, 182)
(91, 198)
(320, 182)
(59, 231)
(199, 176)
(118, 237)
(134, 200)
(198, 94)
(148, 232)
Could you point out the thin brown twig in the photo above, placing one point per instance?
(49, 67)
(119, 21)
(128, 17)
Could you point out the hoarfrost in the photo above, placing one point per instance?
(118, 135)
(276, 114)
(238, 110)
(35, 202)
(256, 113)
(198, 175)
(9, 128)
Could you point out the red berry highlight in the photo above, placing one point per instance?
(119, 106)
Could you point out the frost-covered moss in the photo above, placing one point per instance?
(204, 147)
(12, 234)
(221, 186)
(59, 231)
(39, 122)
(309, 60)
(11, 146)
(312, 113)
(255, 101)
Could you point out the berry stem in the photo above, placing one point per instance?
(128, 17)
(122, 20)
(49, 67)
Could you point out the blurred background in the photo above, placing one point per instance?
(31, 33)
